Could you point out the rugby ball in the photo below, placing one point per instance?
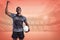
(25, 28)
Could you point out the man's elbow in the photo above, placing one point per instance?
(6, 12)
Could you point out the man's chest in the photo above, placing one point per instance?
(20, 19)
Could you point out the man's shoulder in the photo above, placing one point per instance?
(13, 15)
(23, 16)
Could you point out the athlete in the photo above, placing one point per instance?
(18, 20)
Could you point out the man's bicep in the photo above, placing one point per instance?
(25, 21)
(9, 14)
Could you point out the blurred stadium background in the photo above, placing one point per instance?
(43, 17)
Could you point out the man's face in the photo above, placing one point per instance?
(18, 10)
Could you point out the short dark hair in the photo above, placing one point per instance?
(18, 7)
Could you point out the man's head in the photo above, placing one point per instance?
(18, 10)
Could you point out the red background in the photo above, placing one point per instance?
(43, 17)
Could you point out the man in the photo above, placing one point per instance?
(18, 20)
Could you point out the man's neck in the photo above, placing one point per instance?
(18, 14)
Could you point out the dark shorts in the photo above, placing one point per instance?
(18, 35)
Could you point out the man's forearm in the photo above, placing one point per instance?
(6, 9)
(27, 24)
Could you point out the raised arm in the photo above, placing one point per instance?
(6, 9)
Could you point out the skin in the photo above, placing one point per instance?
(18, 10)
